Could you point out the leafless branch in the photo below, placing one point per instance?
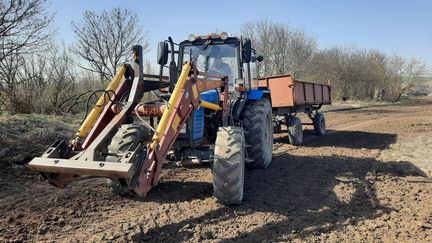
(104, 41)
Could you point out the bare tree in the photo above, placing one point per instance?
(24, 30)
(286, 50)
(61, 79)
(40, 83)
(259, 32)
(24, 27)
(405, 74)
(365, 73)
(354, 73)
(300, 51)
(104, 41)
(10, 98)
(148, 68)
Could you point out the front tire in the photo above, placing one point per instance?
(128, 136)
(228, 166)
(258, 124)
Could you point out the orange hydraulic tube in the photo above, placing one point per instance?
(150, 110)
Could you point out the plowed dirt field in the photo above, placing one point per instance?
(366, 180)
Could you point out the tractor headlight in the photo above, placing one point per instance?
(224, 35)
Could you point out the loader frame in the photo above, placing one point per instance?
(139, 168)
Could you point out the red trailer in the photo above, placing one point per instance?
(290, 97)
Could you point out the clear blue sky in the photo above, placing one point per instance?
(400, 27)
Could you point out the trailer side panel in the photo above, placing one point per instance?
(286, 92)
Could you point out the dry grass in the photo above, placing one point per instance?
(23, 137)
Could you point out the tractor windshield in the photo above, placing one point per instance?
(216, 58)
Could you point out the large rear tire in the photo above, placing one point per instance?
(258, 124)
(128, 136)
(228, 166)
(295, 131)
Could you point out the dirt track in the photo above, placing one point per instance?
(367, 180)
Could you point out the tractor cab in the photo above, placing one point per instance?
(219, 54)
(216, 54)
(220, 57)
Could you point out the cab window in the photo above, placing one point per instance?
(217, 59)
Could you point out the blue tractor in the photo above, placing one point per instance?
(242, 138)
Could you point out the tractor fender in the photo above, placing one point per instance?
(253, 94)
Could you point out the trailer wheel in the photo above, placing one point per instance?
(319, 124)
(258, 124)
(228, 166)
(128, 135)
(295, 131)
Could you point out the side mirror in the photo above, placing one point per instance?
(260, 58)
(247, 50)
(162, 53)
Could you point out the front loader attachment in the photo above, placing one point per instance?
(60, 172)
(138, 168)
(95, 168)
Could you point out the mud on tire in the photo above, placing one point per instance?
(128, 136)
(228, 166)
(258, 124)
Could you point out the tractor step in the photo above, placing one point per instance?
(92, 168)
